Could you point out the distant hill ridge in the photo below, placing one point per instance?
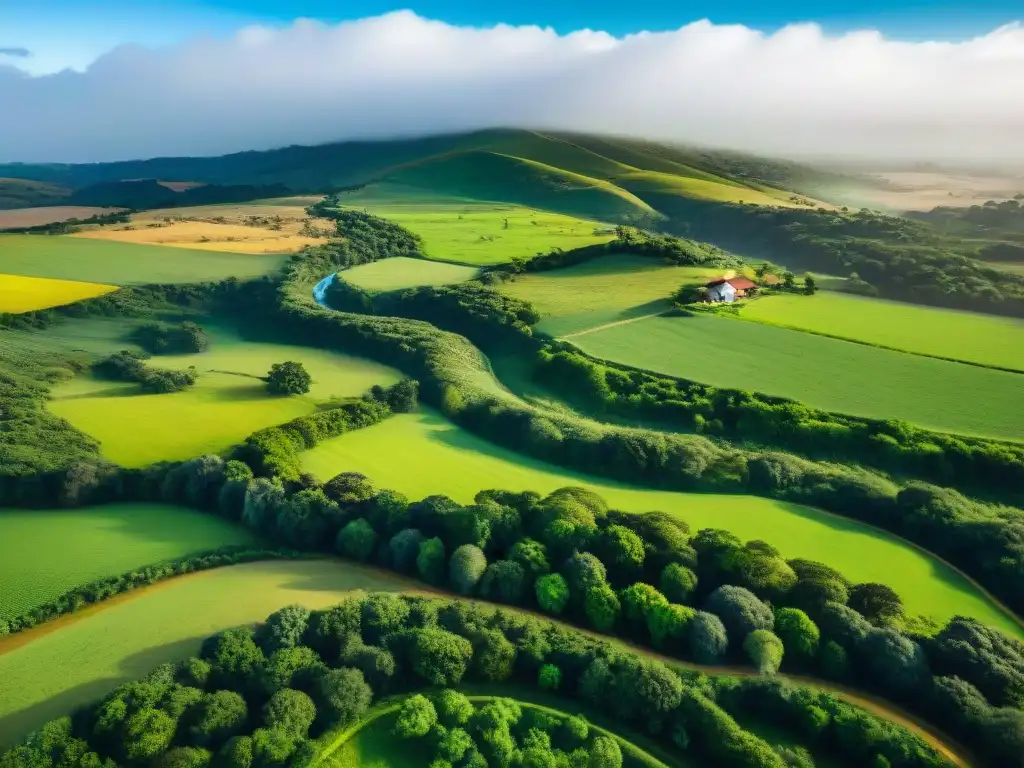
(606, 172)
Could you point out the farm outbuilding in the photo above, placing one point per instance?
(729, 289)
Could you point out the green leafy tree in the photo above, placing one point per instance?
(835, 662)
(184, 757)
(532, 556)
(552, 593)
(707, 638)
(237, 753)
(290, 711)
(430, 561)
(440, 657)
(677, 583)
(219, 716)
(810, 284)
(454, 745)
(637, 600)
(602, 607)
(878, 603)
(765, 650)
(271, 748)
(453, 708)
(357, 540)
(288, 378)
(283, 628)
(148, 733)
(799, 634)
(466, 568)
(415, 717)
(550, 677)
(622, 549)
(344, 694)
(667, 623)
(605, 753)
(494, 655)
(504, 581)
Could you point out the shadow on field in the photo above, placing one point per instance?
(16, 725)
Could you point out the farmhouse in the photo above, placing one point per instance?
(729, 289)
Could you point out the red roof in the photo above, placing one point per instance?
(739, 283)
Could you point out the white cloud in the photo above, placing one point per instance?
(793, 92)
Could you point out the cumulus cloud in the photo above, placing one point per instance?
(21, 53)
(793, 92)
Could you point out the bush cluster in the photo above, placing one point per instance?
(254, 698)
(163, 339)
(127, 365)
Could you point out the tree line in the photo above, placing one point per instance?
(258, 697)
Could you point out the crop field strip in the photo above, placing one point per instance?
(34, 217)
(44, 553)
(228, 402)
(986, 340)
(27, 294)
(67, 257)
(56, 672)
(825, 373)
(438, 457)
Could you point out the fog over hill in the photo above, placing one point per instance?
(794, 92)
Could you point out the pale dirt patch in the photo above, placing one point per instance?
(922, 191)
(35, 217)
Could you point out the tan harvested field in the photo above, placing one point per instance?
(922, 191)
(35, 217)
(271, 226)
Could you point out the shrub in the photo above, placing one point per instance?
(430, 562)
(765, 650)
(552, 593)
(504, 581)
(602, 607)
(357, 540)
(707, 638)
(677, 583)
(466, 568)
(799, 634)
(290, 711)
(288, 378)
(740, 610)
(549, 678)
(415, 717)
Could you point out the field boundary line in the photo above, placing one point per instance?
(597, 328)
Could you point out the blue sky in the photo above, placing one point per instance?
(73, 32)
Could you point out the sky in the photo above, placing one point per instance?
(92, 81)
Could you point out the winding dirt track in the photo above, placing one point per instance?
(955, 753)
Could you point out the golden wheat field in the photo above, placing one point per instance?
(25, 294)
(272, 226)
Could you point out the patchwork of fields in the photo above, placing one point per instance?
(228, 403)
(58, 671)
(473, 232)
(34, 217)
(399, 273)
(818, 371)
(976, 338)
(435, 456)
(68, 257)
(44, 553)
(26, 294)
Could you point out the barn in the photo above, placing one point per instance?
(729, 289)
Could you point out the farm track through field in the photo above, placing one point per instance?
(597, 328)
(940, 742)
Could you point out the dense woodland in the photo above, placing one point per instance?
(255, 698)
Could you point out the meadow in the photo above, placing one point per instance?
(399, 273)
(44, 553)
(438, 457)
(69, 257)
(825, 373)
(262, 226)
(972, 337)
(473, 232)
(76, 660)
(603, 290)
(26, 294)
(716, 189)
(227, 404)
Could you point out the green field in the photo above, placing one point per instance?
(499, 177)
(99, 261)
(975, 338)
(473, 232)
(399, 273)
(705, 187)
(227, 404)
(44, 553)
(821, 372)
(58, 671)
(603, 290)
(423, 454)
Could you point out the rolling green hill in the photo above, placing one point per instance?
(26, 193)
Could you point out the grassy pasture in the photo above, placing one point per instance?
(228, 402)
(34, 217)
(87, 656)
(818, 371)
(99, 261)
(482, 175)
(400, 273)
(25, 294)
(976, 338)
(717, 189)
(472, 232)
(604, 290)
(44, 553)
(230, 227)
(438, 457)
